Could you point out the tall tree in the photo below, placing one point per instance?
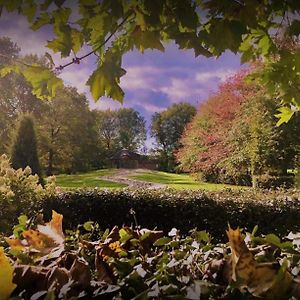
(131, 129)
(67, 133)
(107, 129)
(234, 135)
(15, 97)
(24, 148)
(167, 128)
(122, 128)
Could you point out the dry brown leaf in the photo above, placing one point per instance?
(261, 280)
(46, 240)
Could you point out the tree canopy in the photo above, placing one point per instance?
(110, 28)
(233, 137)
(167, 127)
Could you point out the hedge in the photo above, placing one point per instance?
(272, 211)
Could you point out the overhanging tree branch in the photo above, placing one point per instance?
(77, 60)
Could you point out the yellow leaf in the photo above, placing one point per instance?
(47, 239)
(15, 244)
(6, 276)
(243, 262)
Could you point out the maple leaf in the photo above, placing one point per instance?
(267, 280)
(47, 241)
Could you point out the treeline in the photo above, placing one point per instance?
(234, 137)
(69, 136)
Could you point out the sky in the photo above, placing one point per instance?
(154, 80)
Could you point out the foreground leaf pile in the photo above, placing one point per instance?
(40, 262)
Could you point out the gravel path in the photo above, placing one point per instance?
(122, 176)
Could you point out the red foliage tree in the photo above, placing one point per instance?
(204, 143)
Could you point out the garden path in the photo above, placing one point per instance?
(122, 176)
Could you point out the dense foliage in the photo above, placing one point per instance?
(234, 137)
(59, 122)
(127, 263)
(113, 28)
(181, 209)
(167, 127)
(20, 193)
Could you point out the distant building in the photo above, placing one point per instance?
(131, 160)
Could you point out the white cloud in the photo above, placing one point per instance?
(19, 31)
(219, 74)
(105, 103)
(144, 77)
(77, 77)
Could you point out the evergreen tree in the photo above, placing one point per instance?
(24, 146)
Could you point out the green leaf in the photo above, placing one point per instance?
(106, 78)
(265, 44)
(146, 40)
(11, 5)
(30, 10)
(285, 114)
(99, 25)
(43, 81)
(273, 239)
(88, 226)
(124, 235)
(41, 21)
(77, 40)
(162, 241)
(22, 219)
(254, 230)
(9, 69)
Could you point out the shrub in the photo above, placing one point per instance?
(271, 210)
(20, 193)
(271, 182)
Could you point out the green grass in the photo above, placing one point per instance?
(87, 180)
(180, 181)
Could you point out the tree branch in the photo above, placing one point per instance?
(78, 59)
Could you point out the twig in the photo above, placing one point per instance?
(78, 59)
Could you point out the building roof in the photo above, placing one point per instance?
(125, 153)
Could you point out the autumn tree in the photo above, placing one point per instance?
(203, 141)
(24, 147)
(167, 128)
(234, 138)
(257, 146)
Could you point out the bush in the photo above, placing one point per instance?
(20, 193)
(271, 210)
(271, 182)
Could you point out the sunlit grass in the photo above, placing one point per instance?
(180, 181)
(87, 180)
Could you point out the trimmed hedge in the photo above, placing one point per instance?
(272, 182)
(272, 211)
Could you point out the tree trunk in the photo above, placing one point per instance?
(50, 162)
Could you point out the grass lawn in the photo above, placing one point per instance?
(180, 181)
(90, 179)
